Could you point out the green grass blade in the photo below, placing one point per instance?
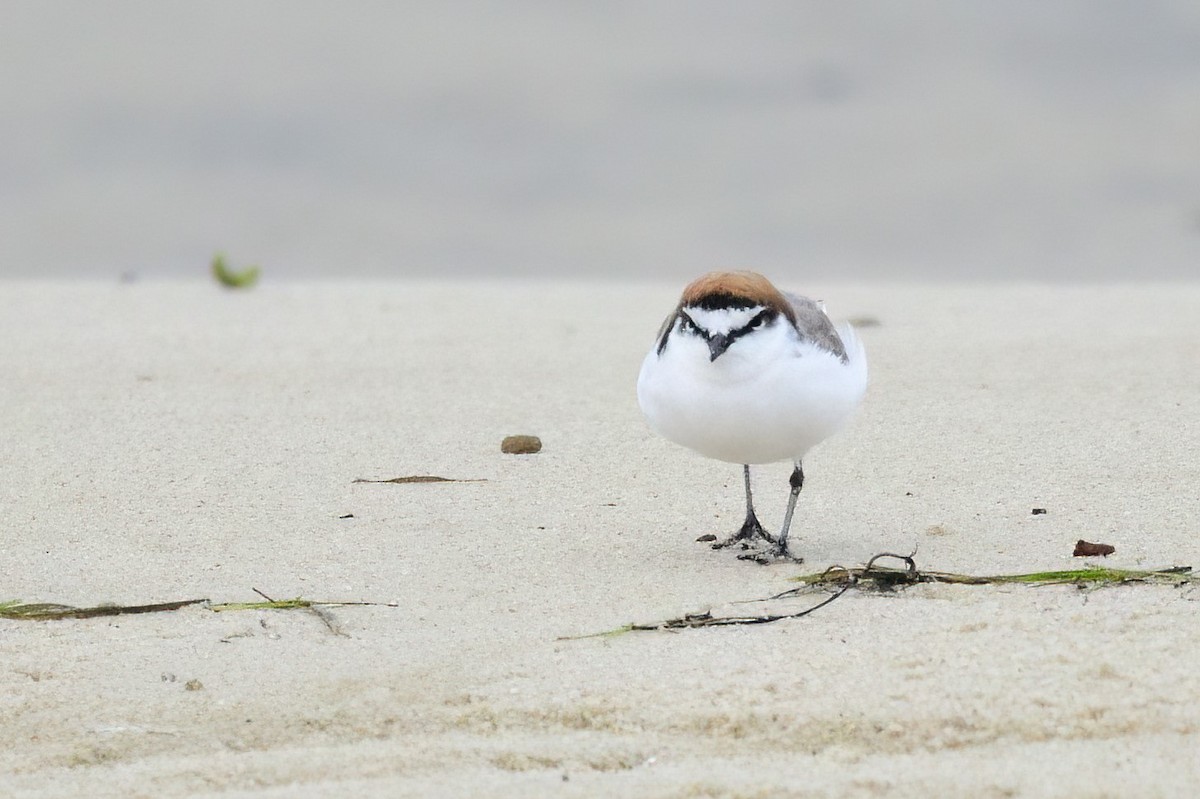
(275, 604)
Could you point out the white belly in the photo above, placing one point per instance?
(745, 412)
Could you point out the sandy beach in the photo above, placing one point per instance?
(169, 441)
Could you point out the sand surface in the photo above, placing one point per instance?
(175, 441)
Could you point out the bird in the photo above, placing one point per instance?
(745, 373)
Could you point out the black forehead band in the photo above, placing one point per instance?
(715, 302)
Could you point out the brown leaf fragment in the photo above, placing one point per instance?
(423, 478)
(520, 445)
(1086, 549)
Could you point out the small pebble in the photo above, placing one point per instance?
(521, 445)
(1086, 549)
(193, 685)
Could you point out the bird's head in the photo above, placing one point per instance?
(722, 308)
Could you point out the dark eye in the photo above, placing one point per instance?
(686, 324)
(758, 321)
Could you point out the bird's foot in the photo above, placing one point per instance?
(747, 537)
(776, 553)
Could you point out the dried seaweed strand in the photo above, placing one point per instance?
(887, 578)
(48, 611)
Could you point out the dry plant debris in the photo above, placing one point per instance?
(871, 577)
(41, 611)
(48, 611)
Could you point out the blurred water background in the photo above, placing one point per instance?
(852, 140)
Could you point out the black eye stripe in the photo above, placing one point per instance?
(687, 324)
(759, 319)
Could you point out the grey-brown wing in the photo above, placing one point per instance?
(813, 324)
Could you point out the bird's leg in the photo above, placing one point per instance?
(751, 528)
(797, 482)
(780, 549)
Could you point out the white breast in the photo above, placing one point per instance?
(769, 398)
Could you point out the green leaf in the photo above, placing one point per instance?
(243, 279)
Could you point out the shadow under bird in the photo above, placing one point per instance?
(744, 373)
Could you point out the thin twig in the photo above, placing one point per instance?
(708, 620)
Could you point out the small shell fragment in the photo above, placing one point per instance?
(521, 445)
